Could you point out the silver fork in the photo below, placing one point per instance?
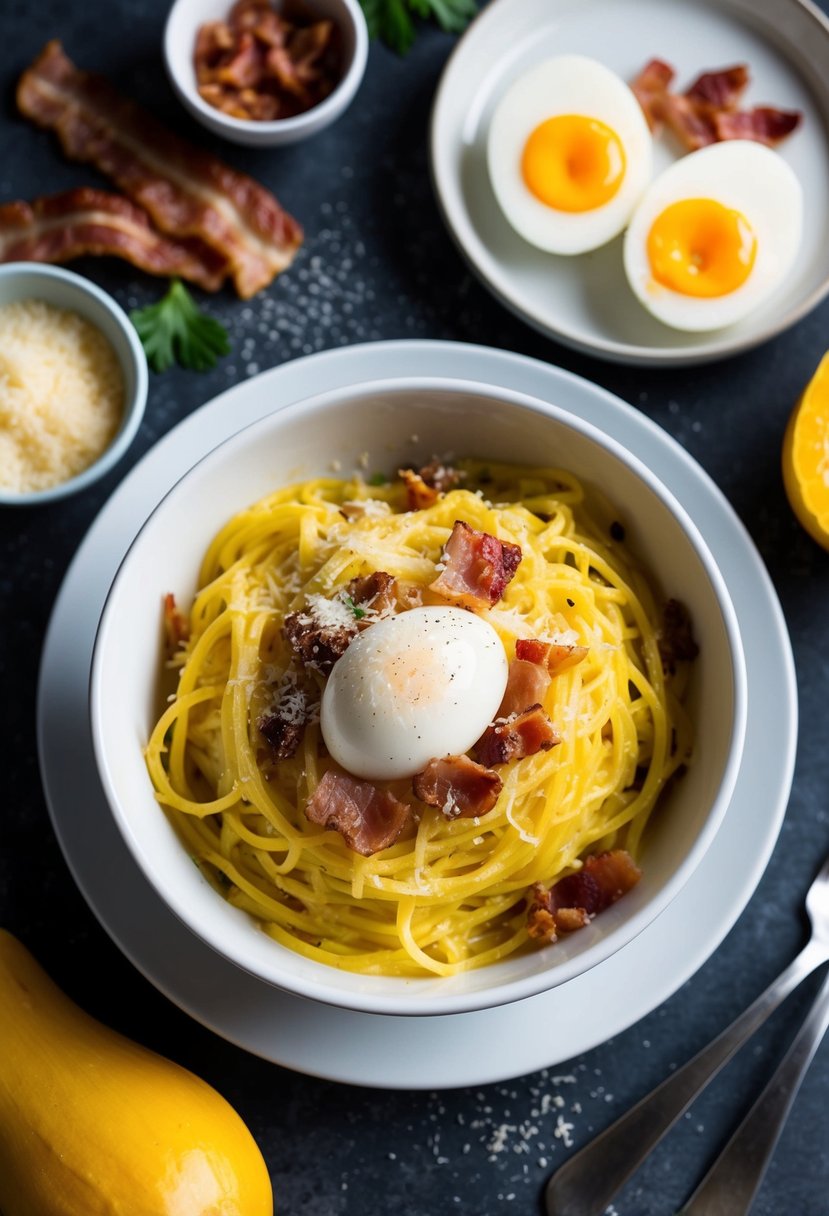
(585, 1185)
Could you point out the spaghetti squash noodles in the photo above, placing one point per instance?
(240, 765)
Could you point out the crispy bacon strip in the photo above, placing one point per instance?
(693, 125)
(376, 592)
(573, 901)
(318, 642)
(707, 111)
(555, 656)
(176, 625)
(460, 787)
(765, 124)
(88, 221)
(187, 191)
(477, 567)
(722, 89)
(527, 685)
(368, 819)
(522, 735)
(649, 87)
(418, 493)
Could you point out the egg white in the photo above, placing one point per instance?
(568, 84)
(746, 177)
(413, 687)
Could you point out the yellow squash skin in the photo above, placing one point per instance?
(92, 1124)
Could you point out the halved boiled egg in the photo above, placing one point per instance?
(714, 235)
(569, 154)
(413, 687)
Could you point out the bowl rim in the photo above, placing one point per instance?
(406, 1002)
(308, 121)
(133, 408)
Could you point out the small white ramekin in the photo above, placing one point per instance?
(63, 289)
(183, 22)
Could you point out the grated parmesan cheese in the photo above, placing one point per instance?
(61, 395)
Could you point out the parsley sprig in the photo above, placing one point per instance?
(175, 330)
(392, 21)
(359, 612)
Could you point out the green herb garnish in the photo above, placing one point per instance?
(391, 20)
(359, 612)
(377, 479)
(174, 330)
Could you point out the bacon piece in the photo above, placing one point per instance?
(527, 685)
(260, 65)
(89, 221)
(477, 567)
(691, 124)
(441, 477)
(188, 192)
(282, 725)
(573, 901)
(281, 734)
(721, 89)
(320, 634)
(555, 656)
(176, 625)
(675, 636)
(649, 86)
(765, 124)
(376, 593)
(521, 735)
(418, 493)
(460, 787)
(368, 819)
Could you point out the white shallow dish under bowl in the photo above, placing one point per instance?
(183, 23)
(403, 422)
(585, 301)
(381, 1050)
(63, 289)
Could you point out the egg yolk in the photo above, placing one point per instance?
(573, 163)
(698, 247)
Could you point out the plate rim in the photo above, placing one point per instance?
(398, 1070)
(609, 351)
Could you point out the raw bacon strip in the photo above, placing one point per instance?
(573, 901)
(555, 656)
(460, 787)
(477, 567)
(525, 734)
(722, 89)
(367, 818)
(764, 124)
(188, 192)
(87, 221)
(527, 685)
(650, 86)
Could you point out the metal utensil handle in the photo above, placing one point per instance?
(729, 1187)
(585, 1185)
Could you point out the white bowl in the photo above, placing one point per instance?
(63, 289)
(183, 22)
(395, 423)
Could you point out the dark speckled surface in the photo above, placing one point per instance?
(378, 264)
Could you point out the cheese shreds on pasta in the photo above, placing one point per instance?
(452, 894)
(61, 395)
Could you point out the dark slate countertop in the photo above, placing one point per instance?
(378, 264)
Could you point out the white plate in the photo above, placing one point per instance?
(383, 1051)
(585, 301)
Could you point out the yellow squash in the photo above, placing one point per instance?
(91, 1124)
